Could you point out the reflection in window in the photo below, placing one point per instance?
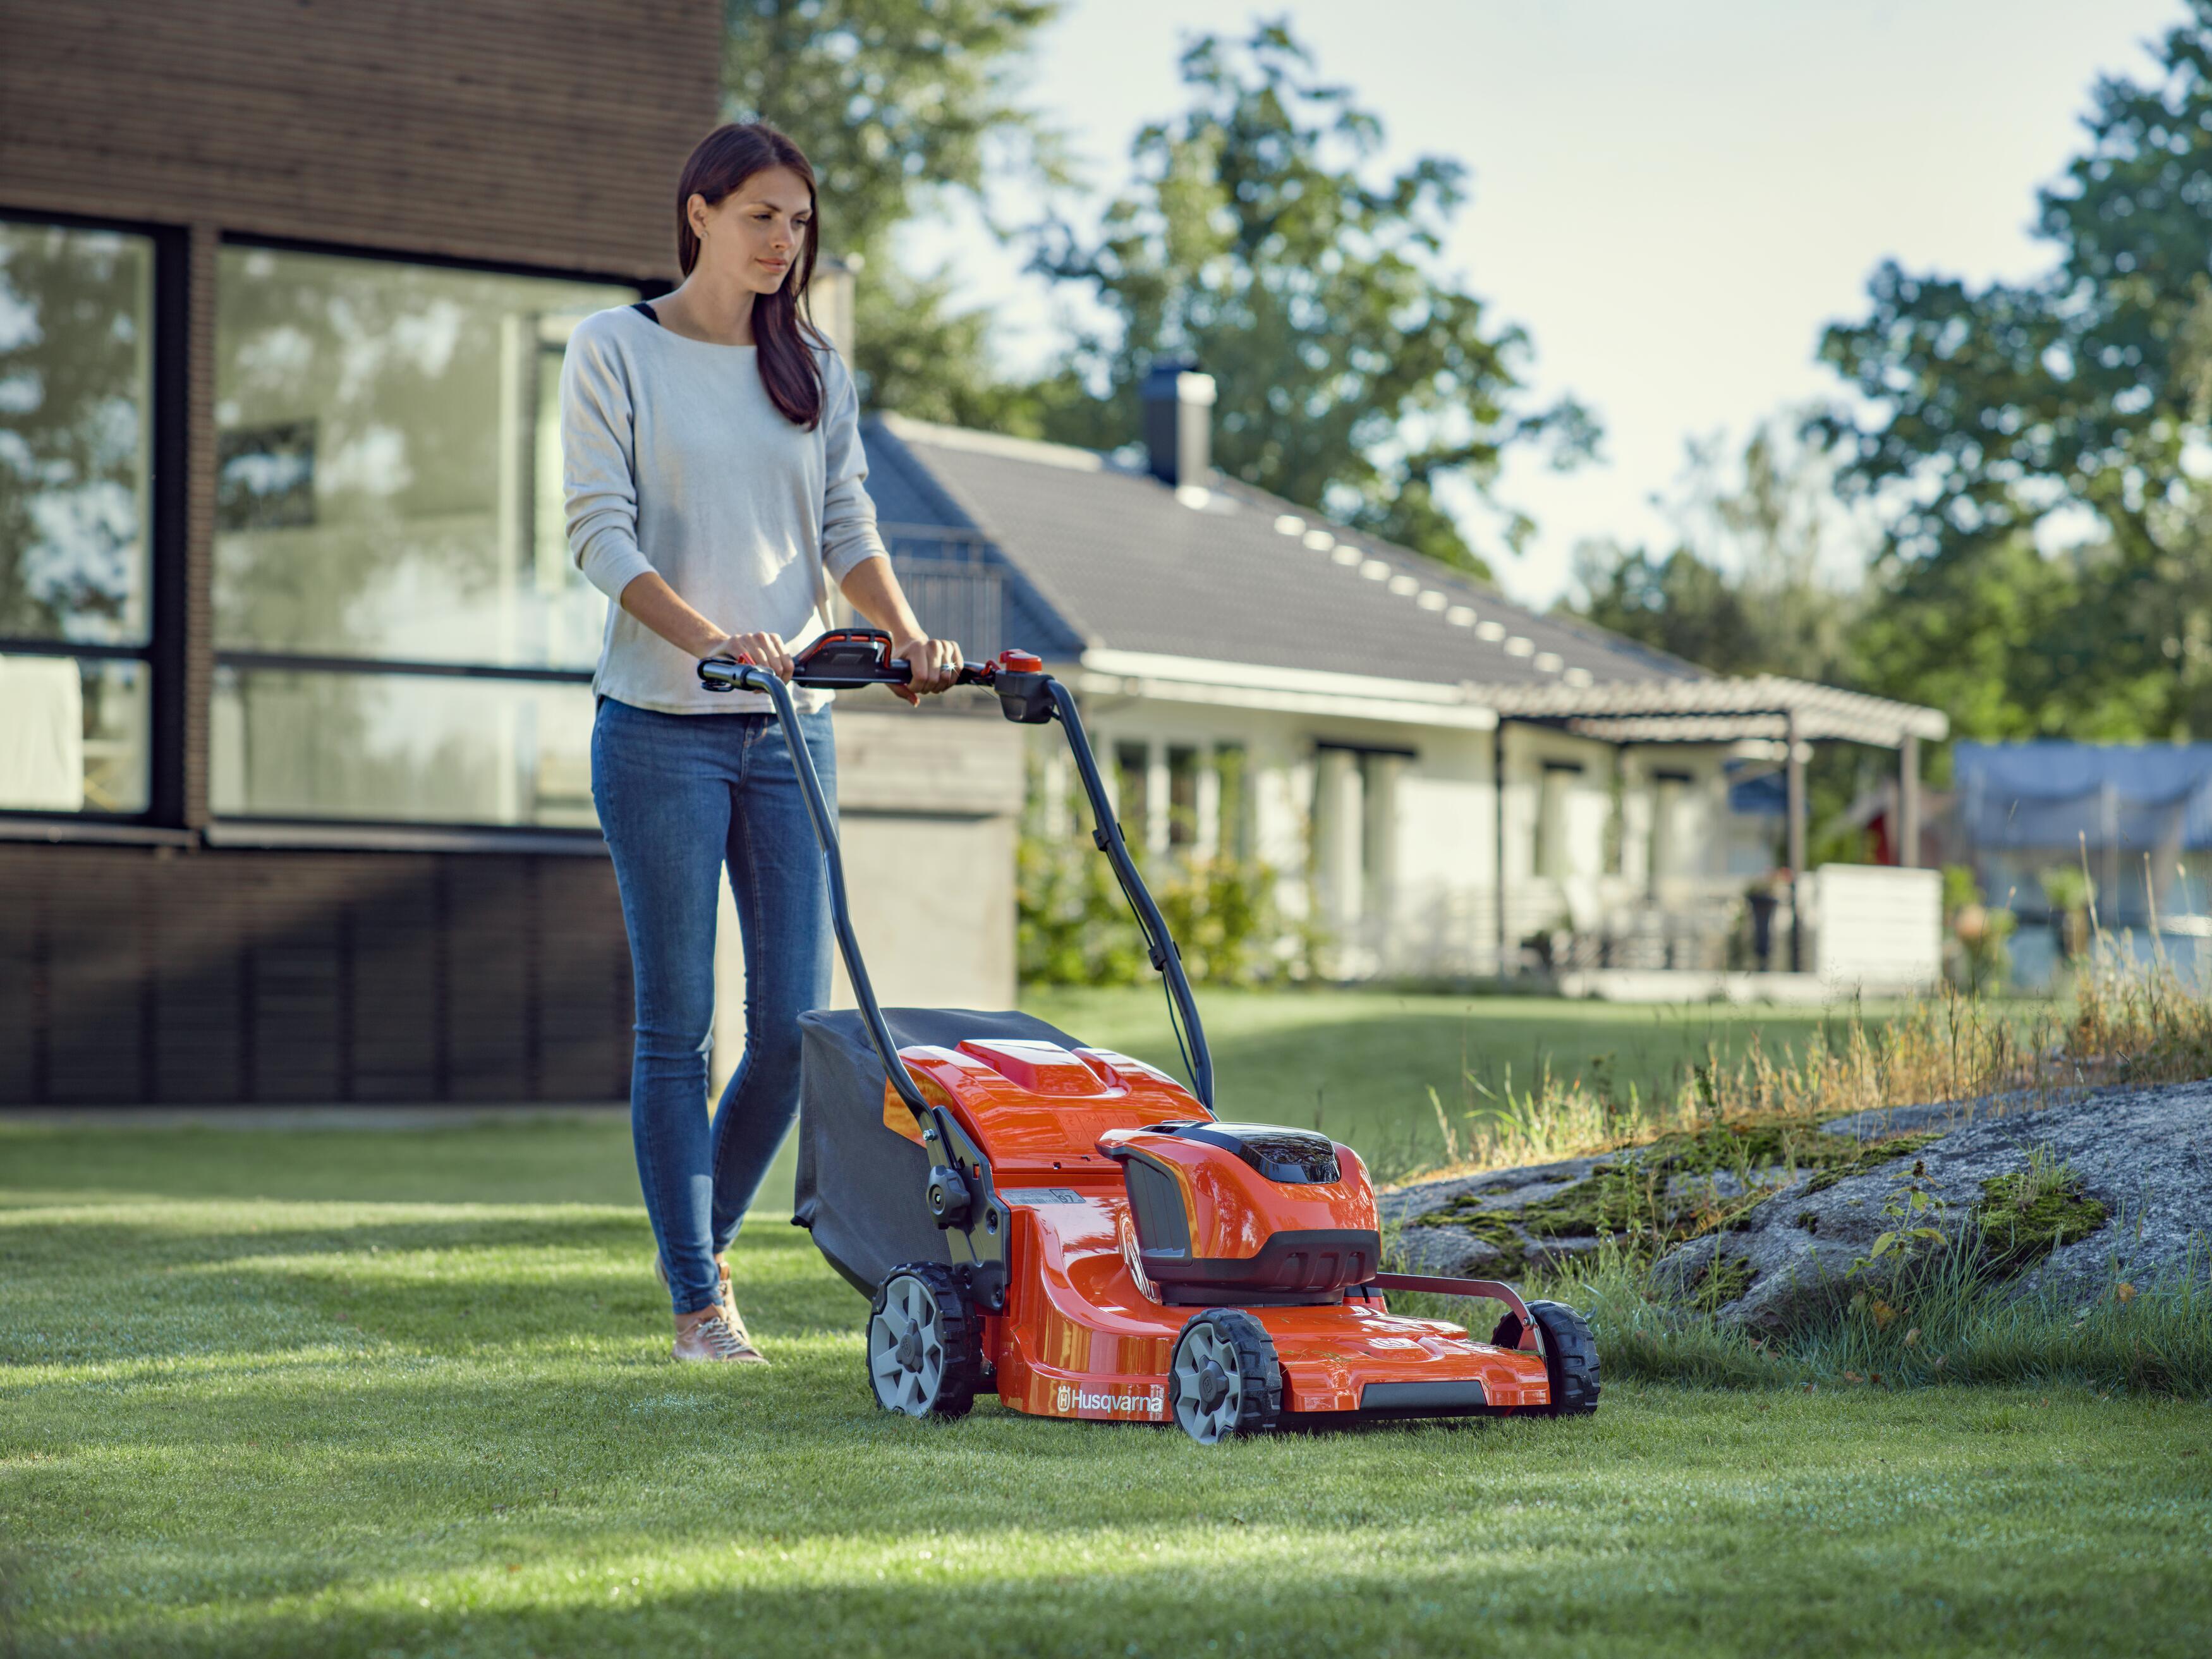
(76, 372)
(75, 737)
(414, 748)
(75, 377)
(390, 462)
(389, 488)
(265, 477)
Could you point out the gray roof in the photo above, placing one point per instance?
(1102, 556)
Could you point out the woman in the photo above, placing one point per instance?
(715, 478)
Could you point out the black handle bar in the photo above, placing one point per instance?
(843, 659)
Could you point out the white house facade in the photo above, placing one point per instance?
(1447, 785)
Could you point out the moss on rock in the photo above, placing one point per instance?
(1660, 1194)
(1604, 1203)
(1469, 1215)
(1751, 1143)
(2023, 1218)
(1493, 1227)
(1870, 1156)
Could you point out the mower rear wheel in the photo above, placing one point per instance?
(1570, 1357)
(925, 1346)
(1225, 1379)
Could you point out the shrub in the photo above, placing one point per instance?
(1074, 926)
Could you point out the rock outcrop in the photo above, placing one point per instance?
(1772, 1222)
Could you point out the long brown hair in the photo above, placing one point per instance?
(783, 325)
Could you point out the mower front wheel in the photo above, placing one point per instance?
(1225, 1379)
(1570, 1356)
(925, 1344)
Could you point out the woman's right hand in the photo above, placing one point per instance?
(762, 650)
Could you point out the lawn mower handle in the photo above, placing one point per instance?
(848, 657)
(843, 659)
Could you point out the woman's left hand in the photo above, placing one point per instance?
(936, 665)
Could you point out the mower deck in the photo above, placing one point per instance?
(1084, 1333)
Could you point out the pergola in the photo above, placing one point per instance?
(1794, 713)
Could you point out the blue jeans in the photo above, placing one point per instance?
(678, 795)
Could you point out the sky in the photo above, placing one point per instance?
(1672, 198)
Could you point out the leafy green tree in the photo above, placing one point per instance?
(2039, 447)
(1354, 372)
(896, 102)
(1747, 590)
(1677, 604)
(1743, 591)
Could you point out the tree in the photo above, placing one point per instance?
(2037, 447)
(1355, 372)
(1679, 604)
(895, 101)
(1748, 588)
(1743, 590)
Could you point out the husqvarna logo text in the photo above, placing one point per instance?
(1073, 1398)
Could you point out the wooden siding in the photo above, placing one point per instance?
(536, 132)
(159, 976)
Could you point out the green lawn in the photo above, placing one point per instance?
(407, 1392)
(1361, 1063)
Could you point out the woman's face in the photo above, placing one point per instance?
(753, 234)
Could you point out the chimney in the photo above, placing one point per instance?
(1179, 421)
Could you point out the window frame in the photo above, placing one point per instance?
(273, 828)
(283, 830)
(162, 653)
(178, 710)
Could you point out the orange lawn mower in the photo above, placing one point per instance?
(1077, 1231)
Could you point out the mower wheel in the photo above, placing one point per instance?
(925, 1346)
(1225, 1379)
(1570, 1357)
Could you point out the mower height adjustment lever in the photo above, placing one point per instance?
(947, 1196)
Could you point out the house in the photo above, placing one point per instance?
(1450, 784)
(295, 704)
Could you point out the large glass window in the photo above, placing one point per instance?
(76, 420)
(388, 499)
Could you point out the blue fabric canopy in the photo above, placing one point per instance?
(2053, 794)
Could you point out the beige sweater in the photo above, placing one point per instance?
(674, 459)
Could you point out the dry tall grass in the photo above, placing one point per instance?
(2123, 1022)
